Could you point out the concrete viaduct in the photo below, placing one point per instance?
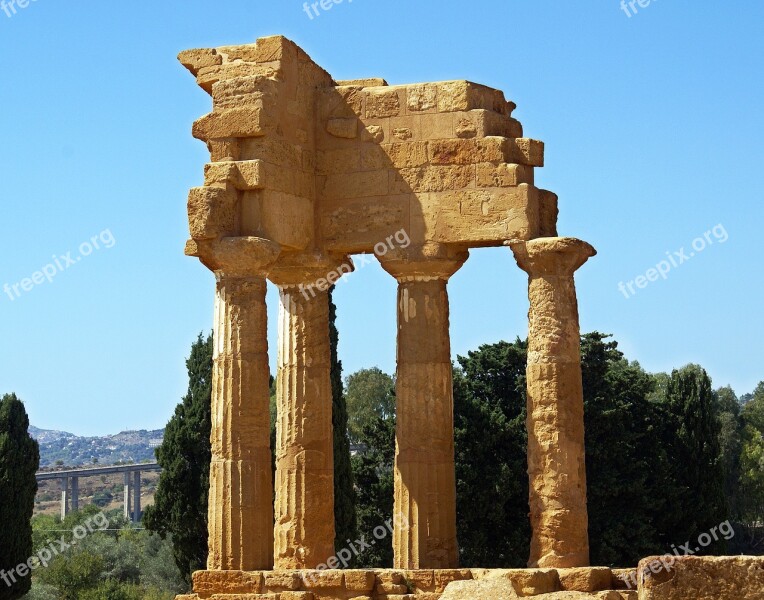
(69, 482)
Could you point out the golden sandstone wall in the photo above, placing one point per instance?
(305, 171)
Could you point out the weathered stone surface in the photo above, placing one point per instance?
(485, 589)
(425, 481)
(241, 485)
(555, 403)
(305, 170)
(587, 579)
(703, 578)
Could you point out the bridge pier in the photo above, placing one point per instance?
(136, 497)
(64, 484)
(75, 491)
(126, 497)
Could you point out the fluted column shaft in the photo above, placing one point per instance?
(241, 481)
(556, 455)
(304, 532)
(425, 481)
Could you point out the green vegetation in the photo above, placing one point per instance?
(344, 490)
(107, 559)
(180, 504)
(668, 459)
(19, 461)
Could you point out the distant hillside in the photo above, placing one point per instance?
(75, 451)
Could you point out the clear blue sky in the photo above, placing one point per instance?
(653, 126)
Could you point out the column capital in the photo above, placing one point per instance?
(424, 263)
(555, 256)
(235, 256)
(309, 270)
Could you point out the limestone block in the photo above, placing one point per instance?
(526, 582)
(197, 59)
(503, 175)
(285, 219)
(476, 217)
(355, 185)
(239, 122)
(212, 212)
(350, 225)
(432, 179)
(456, 96)
(343, 128)
(548, 213)
(525, 151)
(589, 579)
(406, 155)
(359, 581)
(485, 589)
(703, 578)
(243, 175)
(422, 98)
(227, 582)
(253, 90)
(346, 160)
(382, 102)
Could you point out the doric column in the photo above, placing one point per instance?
(556, 457)
(241, 481)
(241, 485)
(425, 483)
(304, 530)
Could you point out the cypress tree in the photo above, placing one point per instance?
(695, 452)
(344, 491)
(180, 503)
(19, 461)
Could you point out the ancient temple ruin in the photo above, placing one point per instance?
(304, 172)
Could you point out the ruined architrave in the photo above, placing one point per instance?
(305, 171)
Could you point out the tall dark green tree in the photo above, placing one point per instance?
(370, 396)
(373, 473)
(491, 458)
(730, 444)
(344, 491)
(19, 461)
(691, 435)
(627, 468)
(180, 503)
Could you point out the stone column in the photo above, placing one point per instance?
(556, 458)
(304, 531)
(425, 483)
(241, 480)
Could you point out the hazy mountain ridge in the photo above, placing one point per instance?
(76, 451)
